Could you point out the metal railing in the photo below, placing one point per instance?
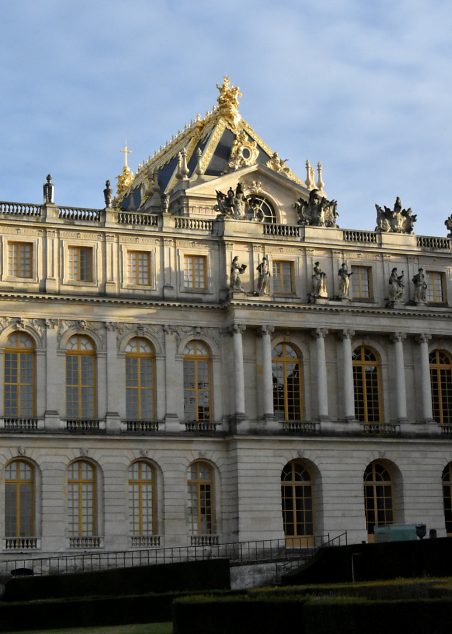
(250, 552)
(306, 555)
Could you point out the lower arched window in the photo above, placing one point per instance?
(201, 499)
(142, 504)
(378, 497)
(197, 381)
(20, 511)
(297, 504)
(441, 383)
(287, 383)
(367, 385)
(447, 497)
(82, 504)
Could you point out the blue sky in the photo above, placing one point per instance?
(364, 87)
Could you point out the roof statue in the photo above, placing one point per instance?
(125, 178)
(395, 220)
(317, 211)
(228, 99)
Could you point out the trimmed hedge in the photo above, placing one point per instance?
(300, 615)
(189, 576)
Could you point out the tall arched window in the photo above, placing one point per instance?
(201, 499)
(20, 376)
(447, 497)
(441, 382)
(367, 385)
(81, 400)
(20, 502)
(82, 503)
(142, 503)
(378, 496)
(287, 383)
(140, 380)
(297, 504)
(197, 380)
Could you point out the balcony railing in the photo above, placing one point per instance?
(301, 427)
(85, 425)
(381, 429)
(85, 542)
(21, 425)
(282, 231)
(204, 540)
(79, 213)
(196, 224)
(141, 426)
(20, 209)
(366, 237)
(432, 242)
(200, 426)
(446, 430)
(137, 218)
(145, 541)
(21, 543)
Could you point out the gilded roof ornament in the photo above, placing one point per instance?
(228, 100)
(124, 179)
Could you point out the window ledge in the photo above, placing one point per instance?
(21, 543)
(204, 540)
(85, 542)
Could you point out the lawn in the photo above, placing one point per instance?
(138, 628)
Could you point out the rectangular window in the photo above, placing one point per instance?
(361, 282)
(436, 287)
(80, 264)
(20, 259)
(195, 271)
(139, 268)
(283, 278)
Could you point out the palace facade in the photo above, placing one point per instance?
(211, 358)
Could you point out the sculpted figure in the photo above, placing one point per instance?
(108, 194)
(232, 204)
(396, 286)
(344, 281)
(48, 190)
(397, 220)
(264, 276)
(420, 287)
(317, 211)
(236, 271)
(448, 224)
(318, 282)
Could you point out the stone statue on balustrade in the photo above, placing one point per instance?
(108, 195)
(420, 287)
(448, 224)
(233, 203)
(48, 191)
(395, 220)
(263, 281)
(317, 211)
(344, 282)
(237, 270)
(396, 287)
(318, 287)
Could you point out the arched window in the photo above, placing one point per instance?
(297, 504)
(197, 380)
(367, 385)
(20, 509)
(81, 401)
(201, 499)
(378, 496)
(82, 503)
(263, 209)
(287, 383)
(140, 380)
(142, 503)
(441, 382)
(447, 497)
(20, 376)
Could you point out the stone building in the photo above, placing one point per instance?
(210, 358)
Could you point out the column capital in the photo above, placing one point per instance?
(397, 336)
(236, 329)
(319, 333)
(265, 330)
(345, 334)
(422, 338)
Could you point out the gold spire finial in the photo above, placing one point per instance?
(228, 99)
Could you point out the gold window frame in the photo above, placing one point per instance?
(141, 483)
(18, 483)
(82, 484)
(359, 365)
(80, 353)
(201, 355)
(139, 356)
(283, 361)
(16, 267)
(199, 489)
(279, 277)
(19, 350)
(190, 272)
(440, 363)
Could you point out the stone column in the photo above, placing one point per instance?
(115, 373)
(397, 338)
(267, 374)
(426, 388)
(347, 371)
(239, 372)
(322, 384)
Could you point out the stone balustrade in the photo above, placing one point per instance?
(141, 426)
(145, 541)
(20, 209)
(79, 213)
(85, 542)
(21, 543)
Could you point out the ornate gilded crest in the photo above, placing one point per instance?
(244, 151)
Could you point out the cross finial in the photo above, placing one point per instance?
(125, 150)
